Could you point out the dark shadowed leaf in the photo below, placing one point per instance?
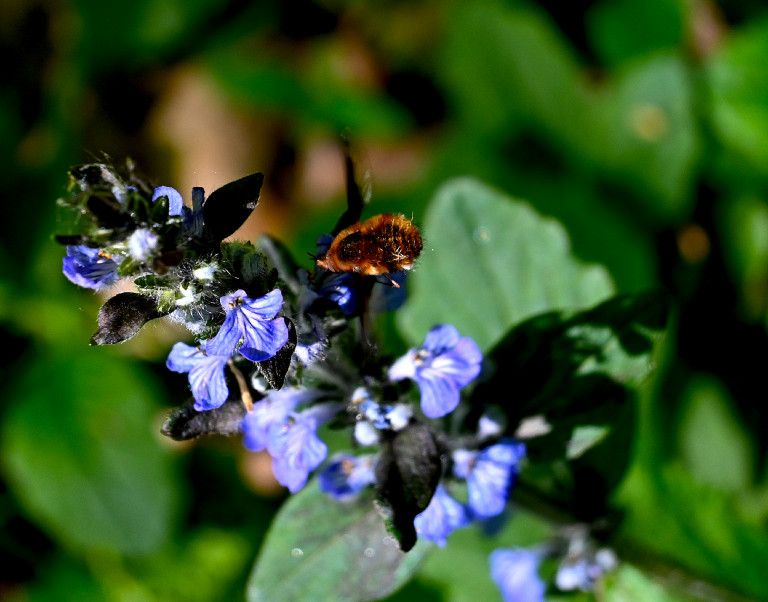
(122, 316)
(185, 422)
(275, 368)
(407, 474)
(228, 207)
(322, 549)
(580, 374)
(577, 370)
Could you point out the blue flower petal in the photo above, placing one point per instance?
(295, 446)
(273, 409)
(175, 202)
(258, 423)
(297, 451)
(208, 383)
(445, 364)
(462, 363)
(516, 574)
(347, 475)
(227, 338)
(183, 357)
(252, 320)
(443, 516)
(441, 339)
(262, 340)
(439, 393)
(206, 375)
(89, 268)
(490, 475)
(340, 288)
(263, 308)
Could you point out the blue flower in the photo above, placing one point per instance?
(193, 218)
(445, 364)
(272, 410)
(338, 287)
(252, 321)
(516, 574)
(206, 374)
(443, 516)
(388, 297)
(490, 474)
(175, 202)
(347, 475)
(295, 447)
(90, 268)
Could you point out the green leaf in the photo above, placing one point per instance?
(62, 578)
(649, 138)
(743, 222)
(491, 262)
(577, 372)
(78, 449)
(227, 208)
(199, 568)
(122, 316)
(583, 438)
(628, 584)
(407, 472)
(509, 67)
(739, 86)
(634, 28)
(322, 549)
(511, 72)
(713, 440)
(703, 529)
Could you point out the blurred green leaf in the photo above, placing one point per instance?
(583, 438)
(128, 33)
(648, 135)
(509, 70)
(62, 579)
(321, 549)
(314, 92)
(713, 442)
(739, 93)
(701, 528)
(78, 449)
(630, 29)
(743, 222)
(199, 568)
(628, 584)
(508, 66)
(491, 262)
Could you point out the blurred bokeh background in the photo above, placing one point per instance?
(641, 125)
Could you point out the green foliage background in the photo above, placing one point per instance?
(641, 126)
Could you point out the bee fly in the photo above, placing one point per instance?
(380, 245)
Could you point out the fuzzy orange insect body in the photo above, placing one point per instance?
(380, 245)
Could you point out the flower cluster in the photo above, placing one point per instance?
(279, 351)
